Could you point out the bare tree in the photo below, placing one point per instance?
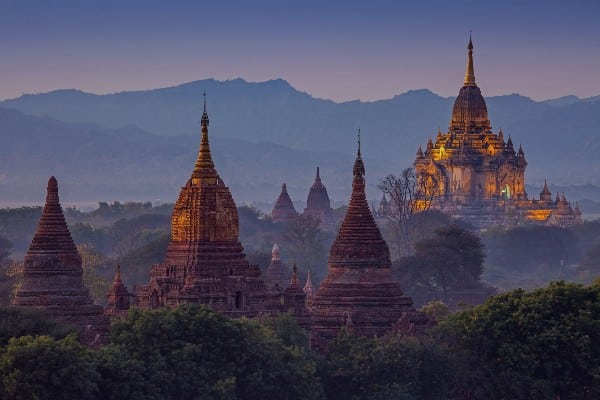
(410, 193)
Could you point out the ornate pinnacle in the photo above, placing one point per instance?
(470, 73)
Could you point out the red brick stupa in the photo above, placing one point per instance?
(277, 276)
(118, 297)
(205, 262)
(283, 210)
(53, 276)
(358, 291)
(318, 205)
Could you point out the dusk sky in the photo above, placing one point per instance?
(339, 50)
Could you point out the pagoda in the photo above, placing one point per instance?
(474, 174)
(283, 210)
(359, 290)
(276, 276)
(318, 205)
(205, 262)
(53, 276)
(294, 301)
(118, 297)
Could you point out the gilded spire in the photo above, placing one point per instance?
(204, 170)
(470, 73)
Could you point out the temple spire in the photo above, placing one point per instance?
(470, 73)
(318, 177)
(359, 166)
(205, 167)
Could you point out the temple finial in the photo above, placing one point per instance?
(204, 121)
(318, 177)
(470, 73)
(204, 170)
(359, 166)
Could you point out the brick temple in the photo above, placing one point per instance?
(283, 210)
(318, 205)
(205, 262)
(477, 175)
(359, 291)
(53, 276)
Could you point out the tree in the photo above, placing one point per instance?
(16, 322)
(529, 345)
(392, 367)
(449, 262)
(192, 352)
(410, 194)
(45, 368)
(307, 243)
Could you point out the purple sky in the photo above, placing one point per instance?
(337, 50)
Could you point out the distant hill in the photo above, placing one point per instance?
(94, 164)
(559, 136)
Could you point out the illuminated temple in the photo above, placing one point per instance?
(476, 175)
(205, 262)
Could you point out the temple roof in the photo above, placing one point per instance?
(52, 235)
(204, 169)
(469, 107)
(318, 199)
(359, 242)
(283, 210)
(276, 273)
(205, 210)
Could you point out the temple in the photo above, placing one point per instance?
(205, 262)
(118, 297)
(53, 276)
(276, 276)
(472, 173)
(359, 291)
(318, 205)
(283, 210)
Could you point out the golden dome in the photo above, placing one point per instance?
(469, 107)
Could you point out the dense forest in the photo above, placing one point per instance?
(542, 344)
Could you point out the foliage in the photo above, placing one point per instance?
(17, 322)
(191, 352)
(444, 265)
(436, 310)
(92, 261)
(136, 265)
(410, 194)
(45, 368)
(529, 345)
(307, 243)
(286, 329)
(392, 367)
(531, 256)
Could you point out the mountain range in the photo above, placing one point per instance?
(142, 144)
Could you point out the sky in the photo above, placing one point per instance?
(339, 50)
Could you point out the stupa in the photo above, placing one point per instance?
(359, 289)
(276, 276)
(53, 276)
(283, 210)
(205, 262)
(318, 205)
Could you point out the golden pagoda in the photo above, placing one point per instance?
(475, 174)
